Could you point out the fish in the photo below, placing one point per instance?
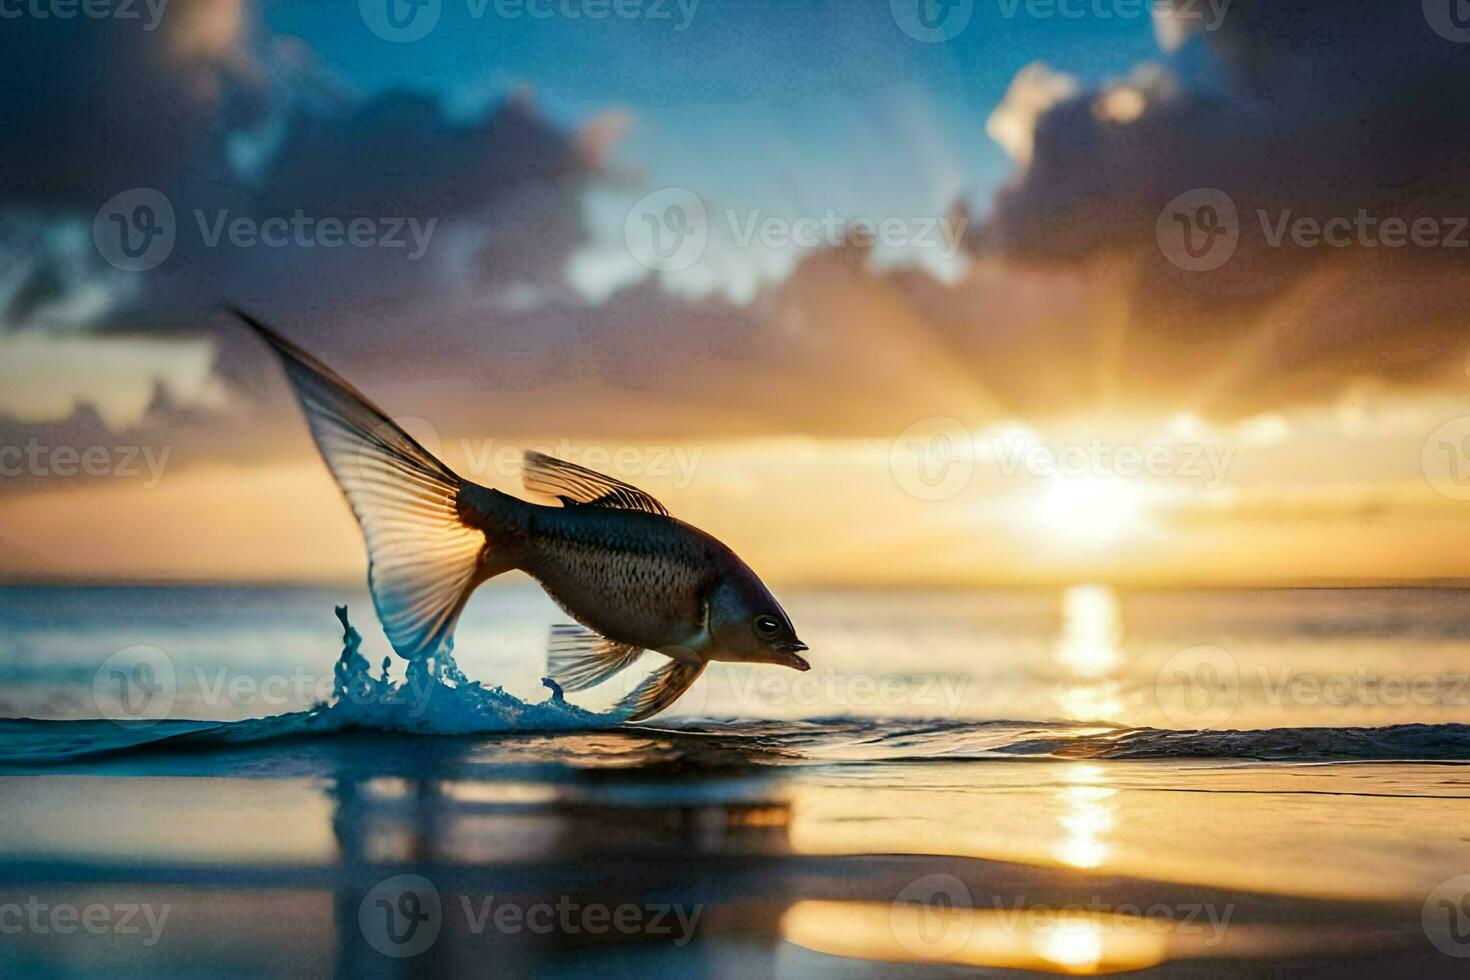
(632, 578)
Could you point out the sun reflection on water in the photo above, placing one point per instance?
(1088, 652)
(1079, 944)
(1088, 814)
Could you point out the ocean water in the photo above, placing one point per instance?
(1069, 781)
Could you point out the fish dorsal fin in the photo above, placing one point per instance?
(577, 485)
(578, 658)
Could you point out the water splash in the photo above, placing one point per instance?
(434, 698)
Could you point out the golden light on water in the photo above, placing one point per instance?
(1091, 629)
(1076, 942)
(1088, 815)
(1088, 652)
(1077, 947)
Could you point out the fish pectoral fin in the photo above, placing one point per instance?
(660, 689)
(579, 486)
(578, 658)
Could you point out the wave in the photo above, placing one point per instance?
(726, 742)
(435, 698)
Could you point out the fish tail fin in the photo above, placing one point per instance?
(423, 559)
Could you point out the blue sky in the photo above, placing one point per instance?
(783, 107)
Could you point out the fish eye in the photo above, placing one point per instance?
(767, 627)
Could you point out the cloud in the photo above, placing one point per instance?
(233, 126)
(1296, 110)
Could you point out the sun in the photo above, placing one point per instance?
(1089, 512)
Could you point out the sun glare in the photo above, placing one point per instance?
(1090, 512)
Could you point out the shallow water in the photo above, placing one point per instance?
(1027, 799)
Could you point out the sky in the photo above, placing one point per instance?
(882, 293)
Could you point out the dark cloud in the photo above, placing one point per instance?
(1318, 110)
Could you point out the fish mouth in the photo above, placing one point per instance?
(791, 650)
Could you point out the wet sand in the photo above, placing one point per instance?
(662, 853)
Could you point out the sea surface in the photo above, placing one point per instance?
(225, 781)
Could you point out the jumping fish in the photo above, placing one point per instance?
(634, 578)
